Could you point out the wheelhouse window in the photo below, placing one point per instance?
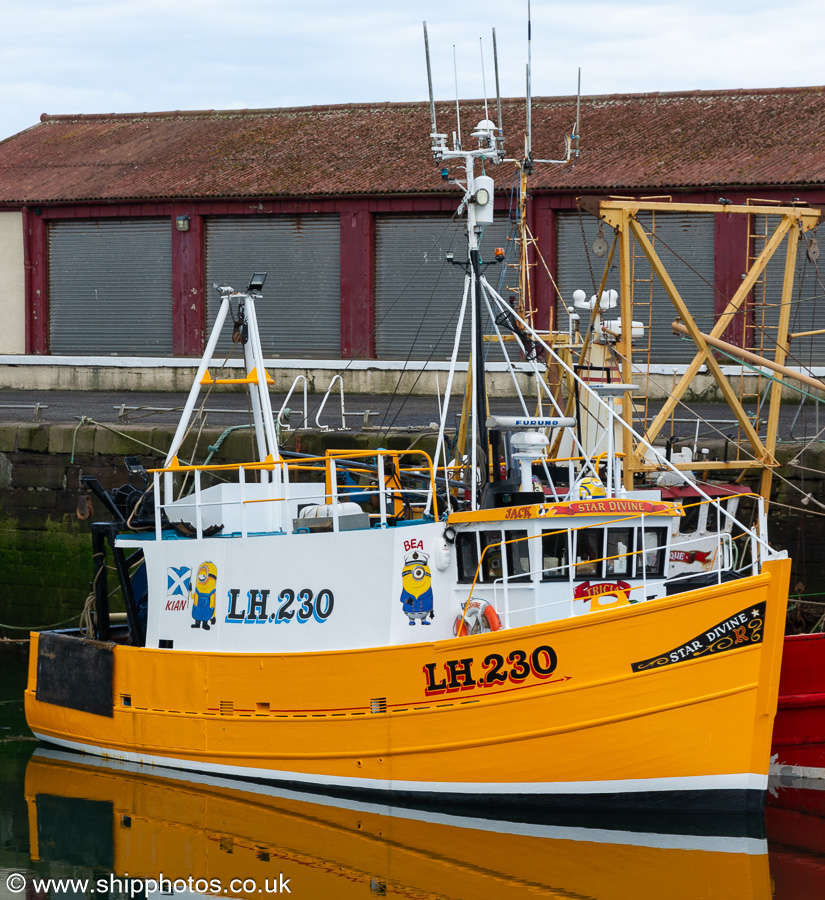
(689, 523)
(518, 556)
(487, 546)
(713, 518)
(466, 545)
(613, 553)
(471, 547)
(555, 556)
(619, 561)
(589, 552)
(653, 553)
(491, 568)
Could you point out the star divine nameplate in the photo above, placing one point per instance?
(740, 630)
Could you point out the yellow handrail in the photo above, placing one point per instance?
(424, 469)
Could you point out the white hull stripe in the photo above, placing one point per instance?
(744, 781)
(711, 843)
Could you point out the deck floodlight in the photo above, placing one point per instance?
(256, 282)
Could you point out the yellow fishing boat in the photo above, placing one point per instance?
(505, 629)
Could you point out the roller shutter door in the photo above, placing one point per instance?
(300, 315)
(110, 287)
(417, 294)
(684, 243)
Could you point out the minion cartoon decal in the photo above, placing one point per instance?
(203, 597)
(416, 590)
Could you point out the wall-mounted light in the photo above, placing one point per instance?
(182, 223)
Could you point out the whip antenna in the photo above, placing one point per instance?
(483, 78)
(457, 111)
(529, 104)
(498, 93)
(578, 111)
(429, 79)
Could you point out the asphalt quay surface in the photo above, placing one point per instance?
(797, 423)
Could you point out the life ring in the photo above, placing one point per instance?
(479, 617)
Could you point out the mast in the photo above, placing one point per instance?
(479, 372)
(477, 202)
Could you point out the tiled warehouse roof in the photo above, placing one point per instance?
(629, 142)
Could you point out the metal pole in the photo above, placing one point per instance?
(429, 79)
(498, 90)
(195, 389)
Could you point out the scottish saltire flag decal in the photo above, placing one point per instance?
(178, 581)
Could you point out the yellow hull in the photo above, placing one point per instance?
(664, 704)
(245, 840)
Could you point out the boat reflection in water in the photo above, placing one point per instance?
(105, 816)
(795, 824)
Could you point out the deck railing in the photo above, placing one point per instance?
(395, 487)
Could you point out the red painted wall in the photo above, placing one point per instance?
(542, 221)
(188, 268)
(730, 262)
(35, 256)
(357, 282)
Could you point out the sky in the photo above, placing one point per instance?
(101, 56)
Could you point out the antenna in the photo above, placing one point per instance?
(483, 78)
(429, 79)
(529, 103)
(498, 93)
(457, 111)
(578, 111)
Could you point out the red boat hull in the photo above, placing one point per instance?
(799, 728)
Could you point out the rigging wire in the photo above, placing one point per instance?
(385, 426)
(391, 307)
(382, 428)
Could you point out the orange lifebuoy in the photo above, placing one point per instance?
(479, 617)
